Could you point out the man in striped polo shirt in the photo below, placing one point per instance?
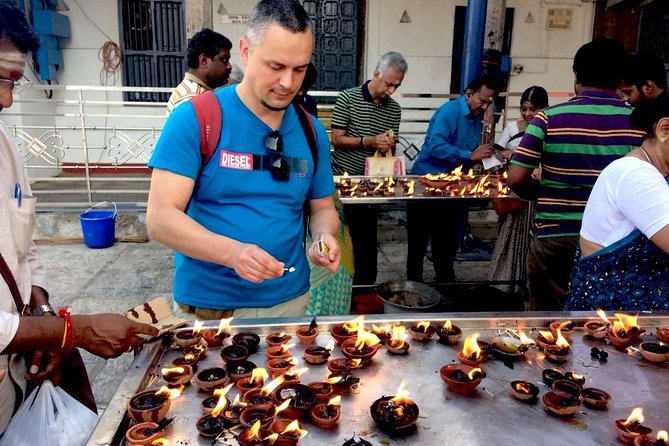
(361, 122)
(208, 67)
(572, 142)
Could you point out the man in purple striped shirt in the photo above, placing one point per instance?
(572, 142)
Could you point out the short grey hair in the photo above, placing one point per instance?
(236, 74)
(289, 14)
(392, 59)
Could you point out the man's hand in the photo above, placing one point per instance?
(482, 151)
(45, 364)
(109, 335)
(329, 261)
(255, 265)
(384, 143)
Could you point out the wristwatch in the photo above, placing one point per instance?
(43, 309)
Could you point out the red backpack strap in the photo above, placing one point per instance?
(210, 118)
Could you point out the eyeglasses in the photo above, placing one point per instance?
(280, 169)
(14, 86)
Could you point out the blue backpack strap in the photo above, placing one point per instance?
(210, 118)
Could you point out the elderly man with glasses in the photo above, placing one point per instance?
(236, 220)
(453, 139)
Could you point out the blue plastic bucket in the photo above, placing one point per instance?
(99, 226)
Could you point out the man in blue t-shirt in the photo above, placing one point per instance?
(236, 223)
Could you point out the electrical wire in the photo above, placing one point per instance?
(110, 55)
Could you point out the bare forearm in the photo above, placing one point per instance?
(324, 221)
(352, 142)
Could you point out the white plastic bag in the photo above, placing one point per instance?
(49, 416)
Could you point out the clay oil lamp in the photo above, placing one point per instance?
(544, 338)
(397, 344)
(215, 338)
(232, 412)
(524, 390)
(279, 351)
(654, 351)
(176, 376)
(383, 332)
(662, 334)
(566, 328)
(186, 360)
(289, 432)
(213, 423)
(249, 340)
(280, 366)
(549, 376)
(347, 330)
(597, 328)
(507, 347)
(560, 405)
(327, 415)
(189, 336)
(471, 352)
(595, 398)
(341, 365)
(146, 433)
(645, 440)
(356, 440)
(151, 405)
(291, 376)
(302, 399)
(198, 350)
(559, 352)
(575, 377)
(251, 415)
(256, 436)
(234, 353)
(209, 379)
(307, 333)
(567, 388)
(324, 390)
(346, 384)
(624, 331)
(632, 427)
(363, 347)
(274, 339)
(395, 414)
(255, 381)
(318, 355)
(460, 378)
(344, 180)
(262, 398)
(218, 401)
(239, 369)
(422, 332)
(449, 334)
(525, 341)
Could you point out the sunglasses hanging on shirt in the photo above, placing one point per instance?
(280, 169)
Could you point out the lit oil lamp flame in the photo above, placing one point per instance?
(471, 349)
(345, 174)
(447, 326)
(224, 326)
(561, 341)
(402, 395)
(330, 345)
(398, 337)
(470, 174)
(547, 335)
(602, 315)
(472, 373)
(422, 326)
(524, 339)
(197, 327)
(258, 376)
(563, 325)
(391, 181)
(365, 339)
(635, 418)
(628, 322)
(576, 376)
(273, 384)
(378, 187)
(285, 348)
(167, 371)
(410, 188)
(189, 357)
(237, 402)
(170, 392)
(253, 431)
(298, 372)
(282, 406)
(294, 429)
(662, 436)
(631, 351)
(352, 326)
(160, 442)
(505, 175)
(222, 402)
(355, 363)
(335, 401)
(334, 379)
(381, 330)
(523, 388)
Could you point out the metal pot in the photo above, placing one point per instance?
(427, 298)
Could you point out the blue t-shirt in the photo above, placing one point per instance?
(233, 199)
(452, 135)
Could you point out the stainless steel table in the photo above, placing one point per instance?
(489, 416)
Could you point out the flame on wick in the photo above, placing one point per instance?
(398, 336)
(576, 375)
(447, 326)
(285, 348)
(294, 428)
(298, 372)
(224, 326)
(602, 315)
(473, 372)
(401, 396)
(170, 392)
(628, 322)
(410, 188)
(334, 401)
(352, 326)
(222, 402)
(547, 335)
(365, 339)
(563, 325)
(561, 341)
(381, 330)
(238, 402)
(524, 339)
(282, 406)
(172, 371)
(164, 442)
(662, 435)
(253, 431)
(273, 384)
(635, 418)
(258, 376)
(471, 349)
(197, 327)
(334, 379)
(189, 357)
(422, 325)
(355, 363)
(523, 388)
(330, 346)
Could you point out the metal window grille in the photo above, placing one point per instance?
(153, 46)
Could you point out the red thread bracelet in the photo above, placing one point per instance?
(68, 335)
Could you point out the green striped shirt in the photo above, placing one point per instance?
(356, 113)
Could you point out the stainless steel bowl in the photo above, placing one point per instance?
(427, 297)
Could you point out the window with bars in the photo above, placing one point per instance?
(153, 46)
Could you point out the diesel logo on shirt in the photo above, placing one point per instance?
(232, 160)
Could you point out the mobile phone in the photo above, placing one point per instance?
(323, 249)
